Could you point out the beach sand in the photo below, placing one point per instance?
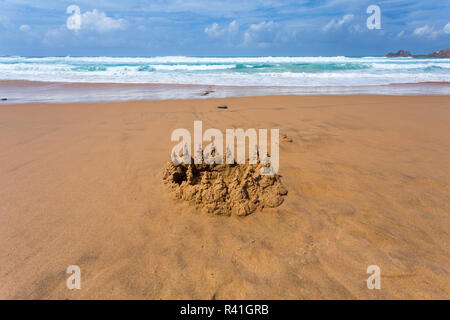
(368, 180)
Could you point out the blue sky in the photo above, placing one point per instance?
(221, 28)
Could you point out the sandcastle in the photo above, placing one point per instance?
(225, 189)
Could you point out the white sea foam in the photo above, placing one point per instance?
(228, 71)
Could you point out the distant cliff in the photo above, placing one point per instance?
(445, 53)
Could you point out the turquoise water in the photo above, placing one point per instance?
(228, 71)
(57, 79)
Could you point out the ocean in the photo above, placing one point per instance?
(191, 77)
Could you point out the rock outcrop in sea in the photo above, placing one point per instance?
(398, 54)
(444, 53)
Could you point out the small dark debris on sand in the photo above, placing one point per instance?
(222, 107)
(285, 138)
(207, 92)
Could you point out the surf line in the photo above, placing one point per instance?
(192, 310)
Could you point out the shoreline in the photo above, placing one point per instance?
(21, 91)
(219, 100)
(33, 82)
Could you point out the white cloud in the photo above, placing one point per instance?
(98, 21)
(54, 36)
(334, 24)
(262, 33)
(401, 34)
(425, 31)
(25, 28)
(447, 28)
(430, 32)
(422, 30)
(215, 31)
(233, 27)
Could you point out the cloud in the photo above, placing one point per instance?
(422, 30)
(334, 24)
(25, 28)
(96, 20)
(426, 31)
(298, 27)
(262, 33)
(233, 27)
(56, 35)
(215, 31)
(447, 28)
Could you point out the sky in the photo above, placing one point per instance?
(220, 28)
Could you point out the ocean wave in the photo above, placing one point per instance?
(89, 68)
(191, 67)
(301, 67)
(410, 66)
(233, 71)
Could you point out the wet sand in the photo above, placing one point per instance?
(73, 92)
(368, 180)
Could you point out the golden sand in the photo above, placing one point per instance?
(368, 180)
(225, 189)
